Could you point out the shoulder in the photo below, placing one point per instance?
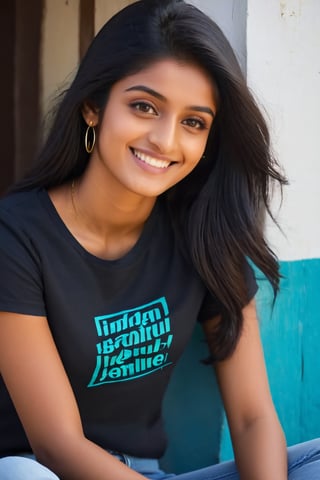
(20, 262)
(23, 211)
(22, 215)
(20, 202)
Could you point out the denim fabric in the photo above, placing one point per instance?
(303, 464)
(24, 468)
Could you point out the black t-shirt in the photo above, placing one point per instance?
(120, 326)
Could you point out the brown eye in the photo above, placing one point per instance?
(144, 107)
(195, 123)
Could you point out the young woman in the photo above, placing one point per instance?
(138, 221)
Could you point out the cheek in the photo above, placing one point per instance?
(195, 150)
(120, 128)
(112, 126)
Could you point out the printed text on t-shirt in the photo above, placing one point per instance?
(134, 343)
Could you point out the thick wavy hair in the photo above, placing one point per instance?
(216, 211)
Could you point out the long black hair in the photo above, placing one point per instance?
(216, 210)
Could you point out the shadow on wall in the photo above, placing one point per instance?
(192, 411)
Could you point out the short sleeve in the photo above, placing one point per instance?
(21, 288)
(211, 306)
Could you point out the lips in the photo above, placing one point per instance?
(149, 160)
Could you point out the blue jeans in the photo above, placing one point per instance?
(303, 464)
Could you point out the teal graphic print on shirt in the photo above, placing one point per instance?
(134, 343)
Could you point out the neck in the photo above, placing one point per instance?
(106, 211)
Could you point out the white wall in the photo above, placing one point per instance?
(283, 65)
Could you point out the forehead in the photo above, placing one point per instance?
(175, 80)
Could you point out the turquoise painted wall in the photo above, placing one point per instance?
(291, 339)
(197, 430)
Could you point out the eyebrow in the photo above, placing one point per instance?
(159, 96)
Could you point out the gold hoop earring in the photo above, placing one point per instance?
(87, 143)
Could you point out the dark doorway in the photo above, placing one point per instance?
(20, 40)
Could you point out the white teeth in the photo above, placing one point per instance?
(150, 160)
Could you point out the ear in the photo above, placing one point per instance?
(90, 114)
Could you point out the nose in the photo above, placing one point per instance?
(164, 134)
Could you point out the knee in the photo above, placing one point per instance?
(304, 460)
(20, 468)
(308, 449)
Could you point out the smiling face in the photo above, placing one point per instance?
(154, 128)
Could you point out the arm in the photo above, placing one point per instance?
(39, 387)
(257, 436)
